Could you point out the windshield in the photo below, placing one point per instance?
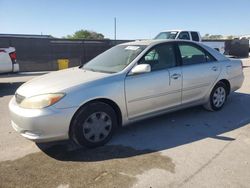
(167, 35)
(115, 59)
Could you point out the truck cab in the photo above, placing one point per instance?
(180, 34)
(191, 36)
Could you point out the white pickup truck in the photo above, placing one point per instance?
(191, 35)
(8, 61)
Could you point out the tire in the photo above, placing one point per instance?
(217, 97)
(94, 125)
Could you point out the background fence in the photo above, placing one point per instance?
(41, 54)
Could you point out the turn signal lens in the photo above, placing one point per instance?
(41, 101)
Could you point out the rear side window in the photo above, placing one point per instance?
(184, 35)
(191, 54)
(195, 36)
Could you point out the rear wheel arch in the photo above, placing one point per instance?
(210, 105)
(227, 84)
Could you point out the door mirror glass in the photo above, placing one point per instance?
(139, 69)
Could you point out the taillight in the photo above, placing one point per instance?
(13, 56)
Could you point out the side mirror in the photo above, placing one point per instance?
(139, 69)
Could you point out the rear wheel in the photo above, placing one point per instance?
(218, 97)
(94, 124)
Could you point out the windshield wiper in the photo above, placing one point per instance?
(94, 70)
(107, 71)
(89, 69)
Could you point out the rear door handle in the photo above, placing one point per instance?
(176, 76)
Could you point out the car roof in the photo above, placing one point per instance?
(150, 43)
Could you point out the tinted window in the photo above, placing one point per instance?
(195, 36)
(191, 54)
(160, 57)
(184, 36)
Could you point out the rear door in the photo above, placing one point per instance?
(157, 90)
(199, 69)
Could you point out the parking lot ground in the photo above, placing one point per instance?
(188, 148)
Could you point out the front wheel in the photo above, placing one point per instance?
(217, 98)
(94, 124)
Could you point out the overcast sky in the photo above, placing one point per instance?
(136, 19)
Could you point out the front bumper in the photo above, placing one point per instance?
(41, 125)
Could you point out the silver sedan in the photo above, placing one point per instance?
(127, 83)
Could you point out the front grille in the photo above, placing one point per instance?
(19, 98)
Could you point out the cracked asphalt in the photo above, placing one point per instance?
(188, 148)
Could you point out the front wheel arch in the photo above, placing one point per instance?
(103, 100)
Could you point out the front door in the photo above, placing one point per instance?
(157, 90)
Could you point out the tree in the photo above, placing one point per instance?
(212, 37)
(230, 37)
(206, 36)
(86, 34)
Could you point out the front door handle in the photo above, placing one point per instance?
(175, 76)
(214, 68)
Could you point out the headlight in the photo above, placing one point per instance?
(41, 101)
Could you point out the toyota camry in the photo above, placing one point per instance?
(127, 83)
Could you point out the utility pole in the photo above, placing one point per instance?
(115, 28)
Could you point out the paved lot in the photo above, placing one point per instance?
(189, 148)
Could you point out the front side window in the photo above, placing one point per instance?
(160, 57)
(115, 59)
(191, 54)
(184, 35)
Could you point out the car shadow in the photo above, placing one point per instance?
(161, 133)
(9, 88)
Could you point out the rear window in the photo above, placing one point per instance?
(195, 36)
(167, 35)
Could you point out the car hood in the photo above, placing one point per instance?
(58, 81)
